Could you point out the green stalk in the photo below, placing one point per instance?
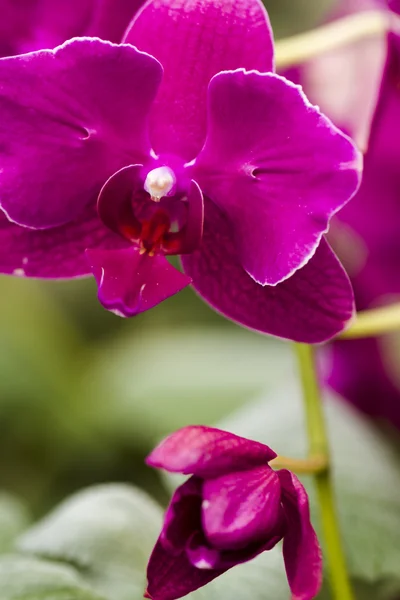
(319, 446)
(350, 29)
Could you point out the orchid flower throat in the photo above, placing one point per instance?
(156, 208)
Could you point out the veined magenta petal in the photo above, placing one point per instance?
(208, 452)
(312, 306)
(241, 508)
(170, 576)
(71, 117)
(278, 169)
(57, 253)
(130, 283)
(183, 515)
(112, 17)
(194, 40)
(301, 550)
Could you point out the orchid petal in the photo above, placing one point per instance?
(116, 198)
(130, 282)
(202, 555)
(56, 253)
(241, 508)
(51, 23)
(112, 17)
(208, 452)
(277, 167)
(194, 40)
(301, 551)
(182, 518)
(67, 126)
(312, 306)
(36, 24)
(172, 576)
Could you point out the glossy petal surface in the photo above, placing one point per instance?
(53, 253)
(130, 283)
(182, 518)
(312, 306)
(71, 117)
(301, 551)
(241, 508)
(208, 452)
(170, 576)
(194, 40)
(277, 167)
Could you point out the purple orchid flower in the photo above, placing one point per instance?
(211, 156)
(359, 371)
(36, 24)
(233, 507)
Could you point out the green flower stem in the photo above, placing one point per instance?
(292, 51)
(372, 322)
(302, 466)
(319, 446)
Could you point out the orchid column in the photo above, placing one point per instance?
(180, 141)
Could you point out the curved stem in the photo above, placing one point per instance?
(305, 46)
(372, 322)
(302, 466)
(319, 446)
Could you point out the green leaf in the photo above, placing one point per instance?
(152, 384)
(24, 578)
(14, 518)
(106, 532)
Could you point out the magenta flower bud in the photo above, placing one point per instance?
(233, 507)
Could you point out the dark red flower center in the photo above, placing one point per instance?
(154, 213)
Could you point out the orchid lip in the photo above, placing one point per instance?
(154, 209)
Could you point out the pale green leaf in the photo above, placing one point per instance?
(106, 532)
(14, 518)
(24, 578)
(153, 383)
